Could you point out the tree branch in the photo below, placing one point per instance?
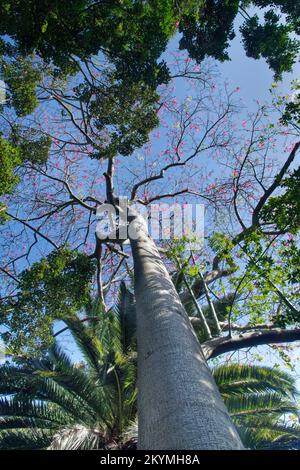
(9, 275)
(215, 347)
(35, 230)
(198, 286)
(109, 182)
(274, 185)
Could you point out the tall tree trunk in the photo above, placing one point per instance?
(179, 405)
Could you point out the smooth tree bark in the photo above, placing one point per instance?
(179, 405)
(217, 346)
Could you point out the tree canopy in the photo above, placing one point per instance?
(270, 37)
(92, 116)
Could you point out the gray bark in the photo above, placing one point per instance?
(179, 405)
(217, 346)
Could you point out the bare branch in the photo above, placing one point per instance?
(217, 346)
(9, 275)
(35, 230)
(275, 184)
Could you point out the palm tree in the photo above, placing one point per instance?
(259, 399)
(57, 403)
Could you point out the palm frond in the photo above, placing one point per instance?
(25, 439)
(126, 312)
(281, 444)
(88, 343)
(260, 433)
(258, 398)
(31, 409)
(21, 422)
(78, 382)
(238, 379)
(47, 389)
(254, 404)
(70, 405)
(14, 379)
(77, 437)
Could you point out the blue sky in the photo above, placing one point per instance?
(254, 79)
(253, 76)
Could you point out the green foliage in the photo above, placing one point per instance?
(33, 147)
(15, 151)
(126, 312)
(222, 246)
(221, 307)
(290, 8)
(261, 284)
(3, 216)
(290, 253)
(265, 282)
(284, 210)
(132, 34)
(124, 115)
(292, 109)
(21, 78)
(88, 404)
(238, 379)
(210, 32)
(257, 398)
(52, 401)
(10, 157)
(270, 41)
(53, 288)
